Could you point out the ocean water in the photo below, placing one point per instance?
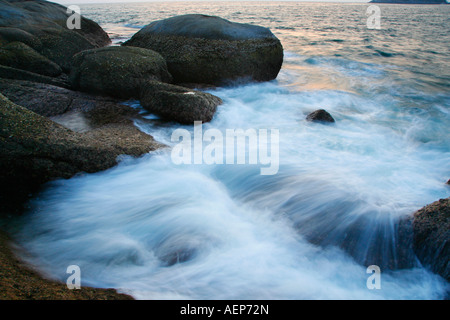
(157, 230)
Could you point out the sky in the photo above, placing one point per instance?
(112, 1)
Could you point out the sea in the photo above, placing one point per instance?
(326, 224)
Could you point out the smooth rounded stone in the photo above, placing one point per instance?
(10, 34)
(18, 74)
(320, 115)
(19, 55)
(210, 50)
(36, 150)
(49, 100)
(117, 71)
(431, 228)
(178, 104)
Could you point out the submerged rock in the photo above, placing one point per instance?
(211, 50)
(177, 103)
(117, 71)
(320, 115)
(431, 228)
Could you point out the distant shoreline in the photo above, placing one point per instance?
(410, 1)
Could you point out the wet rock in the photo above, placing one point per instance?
(19, 55)
(117, 71)
(320, 115)
(211, 50)
(431, 228)
(177, 103)
(31, 16)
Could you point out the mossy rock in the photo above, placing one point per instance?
(211, 50)
(33, 16)
(117, 71)
(10, 34)
(175, 103)
(19, 55)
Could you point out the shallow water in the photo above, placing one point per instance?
(159, 230)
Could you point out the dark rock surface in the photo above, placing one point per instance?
(36, 150)
(21, 282)
(17, 74)
(177, 103)
(211, 50)
(49, 100)
(19, 55)
(117, 71)
(431, 227)
(41, 25)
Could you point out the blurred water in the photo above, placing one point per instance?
(158, 230)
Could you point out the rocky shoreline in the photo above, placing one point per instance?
(62, 111)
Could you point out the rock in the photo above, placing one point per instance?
(448, 182)
(19, 55)
(28, 15)
(10, 34)
(211, 50)
(21, 282)
(117, 71)
(42, 26)
(60, 45)
(49, 101)
(36, 150)
(320, 115)
(431, 228)
(178, 104)
(17, 74)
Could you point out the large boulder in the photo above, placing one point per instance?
(117, 71)
(431, 229)
(42, 26)
(211, 50)
(19, 55)
(177, 103)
